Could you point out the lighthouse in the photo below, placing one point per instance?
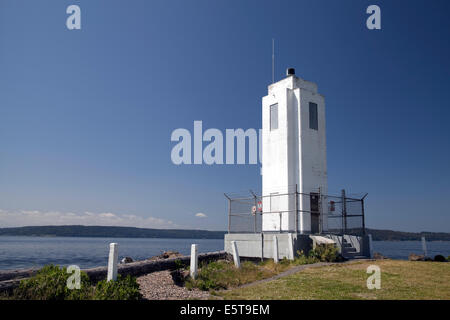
(294, 213)
(294, 157)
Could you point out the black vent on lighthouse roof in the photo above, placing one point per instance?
(290, 72)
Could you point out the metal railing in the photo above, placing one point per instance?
(328, 213)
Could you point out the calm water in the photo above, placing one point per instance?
(402, 249)
(25, 252)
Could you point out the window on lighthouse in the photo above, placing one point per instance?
(313, 117)
(274, 116)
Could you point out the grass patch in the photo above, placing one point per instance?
(223, 274)
(399, 280)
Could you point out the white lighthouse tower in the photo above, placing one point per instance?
(293, 157)
(294, 214)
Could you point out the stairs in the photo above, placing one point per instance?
(350, 246)
(349, 251)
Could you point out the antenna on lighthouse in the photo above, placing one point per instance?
(273, 60)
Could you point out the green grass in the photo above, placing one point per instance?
(399, 280)
(224, 275)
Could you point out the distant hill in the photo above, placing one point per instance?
(130, 232)
(103, 231)
(389, 235)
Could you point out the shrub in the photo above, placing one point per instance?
(124, 288)
(207, 277)
(178, 264)
(321, 253)
(440, 258)
(50, 283)
(324, 253)
(302, 258)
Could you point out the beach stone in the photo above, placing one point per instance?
(171, 254)
(440, 258)
(126, 260)
(416, 257)
(167, 255)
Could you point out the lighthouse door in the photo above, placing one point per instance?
(314, 205)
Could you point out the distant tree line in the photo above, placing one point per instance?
(389, 235)
(131, 232)
(105, 231)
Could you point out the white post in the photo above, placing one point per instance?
(291, 246)
(370, 247)
(275, 249)
(237, 260)
(112, 262)
(194, 261)
(424, 247)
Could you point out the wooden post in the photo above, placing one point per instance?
(237, 260)
(194, 261)
(424, 247)
(112, 262)
(275, 249)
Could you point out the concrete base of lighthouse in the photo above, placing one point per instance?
(261, 245)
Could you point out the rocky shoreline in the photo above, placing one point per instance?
(162, 286)
(167, 261)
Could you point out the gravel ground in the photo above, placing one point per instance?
(161, 286)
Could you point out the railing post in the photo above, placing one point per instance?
(194, 261)
(256, 211)
(262, 246)
(229, 212)
(363, 217)
(344, 212)
(112, 262)
(275, 249)
(237, 260)
(320, 210)
(291, 246)
(296, 209)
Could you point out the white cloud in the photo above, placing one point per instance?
(200, 215)
(41, 218)
(107, 215)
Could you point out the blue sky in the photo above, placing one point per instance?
(86, 115)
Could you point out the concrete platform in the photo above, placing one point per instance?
(260, 245)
